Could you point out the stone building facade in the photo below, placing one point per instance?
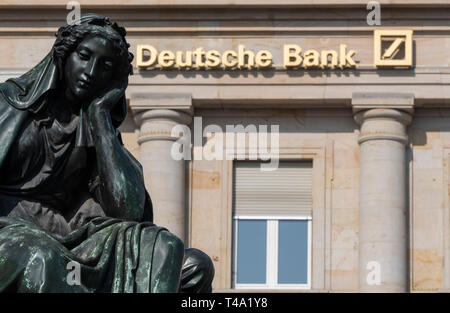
(376, 134)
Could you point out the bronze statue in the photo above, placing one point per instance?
(69, 190)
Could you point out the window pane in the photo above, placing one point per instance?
(251, 252)
(292, 252)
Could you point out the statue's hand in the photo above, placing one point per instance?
(107, 98)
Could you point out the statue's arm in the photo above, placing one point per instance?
(121, 187)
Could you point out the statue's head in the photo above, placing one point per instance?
(91, 54)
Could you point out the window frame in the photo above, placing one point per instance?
(271, 249)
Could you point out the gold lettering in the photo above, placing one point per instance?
(140, 55)
(245, 53)
(293, 57)
(166, 59)
(199, 53)
(212, 58)
(311, 58)
(229, 63)
(289, 54)
(346, 57)
(263, 59)
(179, 59)
(324, 58)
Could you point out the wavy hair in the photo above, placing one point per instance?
(69, 36)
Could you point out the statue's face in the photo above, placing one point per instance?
(89, 68)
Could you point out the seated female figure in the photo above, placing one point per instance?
(71, 195)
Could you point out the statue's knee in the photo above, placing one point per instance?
(199, 259)
(198, 271)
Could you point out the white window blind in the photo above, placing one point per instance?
(286, 191)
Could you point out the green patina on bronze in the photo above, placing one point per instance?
(69, 190)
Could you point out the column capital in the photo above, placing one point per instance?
(383, 124)
(383, 116)
(388, 114)
(172, 116)
(157, 114)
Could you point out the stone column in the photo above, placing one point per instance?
(157, 114)
(383, 222)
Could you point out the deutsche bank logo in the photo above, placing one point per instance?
(393, 48)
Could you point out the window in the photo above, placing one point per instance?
(272, 226)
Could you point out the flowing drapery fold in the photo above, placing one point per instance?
(112, 255)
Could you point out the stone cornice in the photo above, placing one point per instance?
(140, 102)
(220, 3)
(377, 100)
(192, 19)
